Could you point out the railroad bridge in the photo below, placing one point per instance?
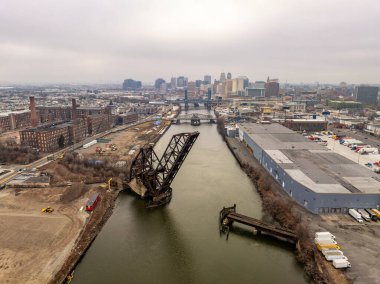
(194, 118)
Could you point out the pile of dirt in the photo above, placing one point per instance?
(74, 192)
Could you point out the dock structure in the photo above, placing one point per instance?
(228, 216)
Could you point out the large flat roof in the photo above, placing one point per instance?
(311, 164)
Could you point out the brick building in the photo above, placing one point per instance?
(78, 130)
(14, 120)
(272, 88)
(45, 138)
(126, 118)
(99, 123)
(51, 114)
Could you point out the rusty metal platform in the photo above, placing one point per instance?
(228, 216)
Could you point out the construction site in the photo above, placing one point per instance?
(46, 227)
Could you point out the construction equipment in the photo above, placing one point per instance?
(99, 150)
(109, 184)
(151, 177)
(47, 210)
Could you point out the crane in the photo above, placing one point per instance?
(151, 177)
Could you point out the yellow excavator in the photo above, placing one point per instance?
(47, 210)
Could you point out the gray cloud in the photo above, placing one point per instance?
(107, 41)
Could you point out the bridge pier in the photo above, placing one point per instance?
(227, 216)
(195, 121)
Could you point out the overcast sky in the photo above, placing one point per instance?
(89, 41)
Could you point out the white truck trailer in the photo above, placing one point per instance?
(356, 215)
(364, 214)
(363, 151)
(341, 263)
(89, 144)
(322, 235)
(331, 257)
(331, 251)
(325, 241)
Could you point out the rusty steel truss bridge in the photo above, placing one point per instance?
(151, 177)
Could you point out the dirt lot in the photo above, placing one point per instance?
(125, 141)
(34, 245)
(38, 247)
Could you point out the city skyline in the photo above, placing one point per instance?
(324, 41)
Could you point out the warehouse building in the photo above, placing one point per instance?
(14, 120)
(320, 180)
(308, 125)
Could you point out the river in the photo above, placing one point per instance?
(180, 243)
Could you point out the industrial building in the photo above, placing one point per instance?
(318, 179)
(309, 125)
(272, 88)
(14, 120)
(45, 138)
(126, 118)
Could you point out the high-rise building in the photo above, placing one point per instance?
(163, 88)
(191, 87)
(198, 83)
(239, 84)
(367, 94)
(207, 79)
(229, 76)
(130, 84)
(272, 88)
(181, 82)
(222, 77)
(173, 83)
(228, 89)
(158, 83)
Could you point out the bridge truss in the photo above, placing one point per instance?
(151, 177)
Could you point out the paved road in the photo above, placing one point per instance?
(362, 136)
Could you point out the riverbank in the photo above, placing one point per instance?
(92, 228)
(99, 216)
(288, 214)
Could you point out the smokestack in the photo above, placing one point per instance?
(74, 110)
(33, 112)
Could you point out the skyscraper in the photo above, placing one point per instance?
(198, 83)
(239, 84)
(158, 83)
(222, 77)
(181, 82)
(229, 76)
(207, 79)
(173, 82)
